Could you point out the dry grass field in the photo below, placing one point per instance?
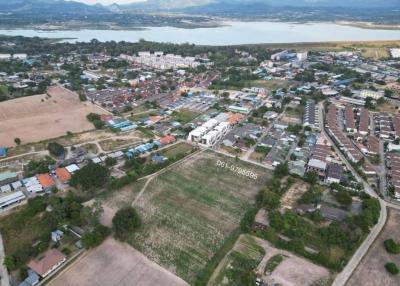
(41, 117)
(189, 210)
(371, 270)
(114, 263)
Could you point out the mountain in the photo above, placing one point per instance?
(162, 5)
(49, 6)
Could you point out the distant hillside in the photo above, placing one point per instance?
(48, 6)
(228, 4)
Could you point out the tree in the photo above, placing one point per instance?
(343, 198)
(10, 263)
(270, 200)
(17, 141)
(392, 268)
(311, 177)
(95, 237)
(90, 176)
(281, 170)
(55, 149)
(110, 161)
(368, 103)
(125, 221)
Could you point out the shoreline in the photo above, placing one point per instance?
(213, 23)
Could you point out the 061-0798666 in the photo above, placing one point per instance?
(236, 169)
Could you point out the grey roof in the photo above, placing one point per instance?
(335, 171)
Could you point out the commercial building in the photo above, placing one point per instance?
(8, 177)
(12, 198)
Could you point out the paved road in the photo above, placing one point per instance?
(4, 279)
(344, 276)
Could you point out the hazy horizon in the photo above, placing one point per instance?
(108, 2)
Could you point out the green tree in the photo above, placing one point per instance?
(10, 263)
(17, 141)
(55, 149)
(125, 222)
(90, 177)
(311, 177)
(271, 200)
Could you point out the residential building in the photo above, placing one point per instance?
(47, 262)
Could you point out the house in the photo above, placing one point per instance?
(63, 175)
(3, 152)
(334, 173)
(168, 139)
(46, 181)
(158, 159)
(56, 235)
(47, 262)
(31, 280)
(73, 168)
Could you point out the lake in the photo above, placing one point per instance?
(234, 33)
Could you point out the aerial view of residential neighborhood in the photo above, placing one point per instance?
(200, 142)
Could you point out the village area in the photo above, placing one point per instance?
(178, 165)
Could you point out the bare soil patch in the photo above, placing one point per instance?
(371, 270)
(114, 263)
(45, 116)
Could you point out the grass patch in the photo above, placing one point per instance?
(184, 116)
(272, 263)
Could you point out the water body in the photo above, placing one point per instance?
(234, 33)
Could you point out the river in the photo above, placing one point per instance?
(233, 33)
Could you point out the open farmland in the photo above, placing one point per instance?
(190, 210)
(371, 270)
(115, 263)
(40, 117)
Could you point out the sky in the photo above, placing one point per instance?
(108, 1)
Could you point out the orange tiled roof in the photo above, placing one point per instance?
(168, 139)
(45, 180)
(48, 260)
(63, 174)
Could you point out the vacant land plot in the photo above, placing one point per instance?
(289, 199)
(371, 270)
(40, 117)
(114, 263)
(245, 249)
(113, 201)
(291, 270)
(179, 148)
(184, 116)
(189, 210)
(282, 267)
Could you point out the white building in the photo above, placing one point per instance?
(20, 56)
(12, 198)
(5, 57)
(302, 56)
(370, 93)
(395, 53)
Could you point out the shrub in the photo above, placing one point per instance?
(90, 176)
(392, 268)
(391, 246)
